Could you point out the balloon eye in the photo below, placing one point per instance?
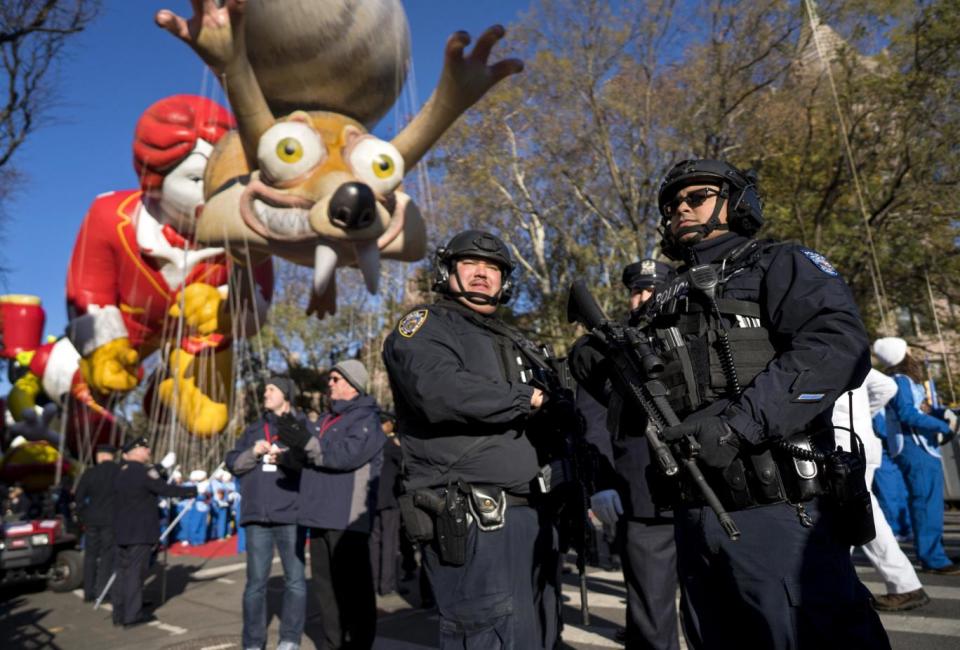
(289, 150)
(383, 166)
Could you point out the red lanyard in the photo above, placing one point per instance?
(266, 432)
(327, 423)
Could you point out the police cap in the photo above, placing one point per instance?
(136, 442)
(645, 274)
(106, 449)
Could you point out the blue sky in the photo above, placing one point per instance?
(107, 77)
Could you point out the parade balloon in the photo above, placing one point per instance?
(137, 283)
(341, 56)
(302, 178)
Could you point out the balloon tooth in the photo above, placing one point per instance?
(324, 266)
(368, 259)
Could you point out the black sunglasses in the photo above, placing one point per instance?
(694, 199)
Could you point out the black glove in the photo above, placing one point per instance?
(292, 432)
(718, 442)
(292, 459)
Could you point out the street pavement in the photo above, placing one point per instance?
(202, 612)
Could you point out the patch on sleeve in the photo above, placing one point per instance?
(413, 321)
(153, 473)
(820, 262)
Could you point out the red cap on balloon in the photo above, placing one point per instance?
(21, 324)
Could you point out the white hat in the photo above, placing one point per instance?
(890, 350)
(198, 475)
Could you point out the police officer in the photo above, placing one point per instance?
(136, 525)
(462, 406)
(626, 482)
(95, 508)
(759, 338)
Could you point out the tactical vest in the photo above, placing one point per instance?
(690, 331)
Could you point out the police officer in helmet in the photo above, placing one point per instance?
(462, 404)
(759, 338)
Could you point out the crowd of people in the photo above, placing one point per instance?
(213, 515)
(763, 366)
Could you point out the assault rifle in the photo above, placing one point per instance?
(637, 367)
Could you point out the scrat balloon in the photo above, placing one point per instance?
(314, 187)
(135, 271)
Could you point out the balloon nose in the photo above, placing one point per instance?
(353, 206)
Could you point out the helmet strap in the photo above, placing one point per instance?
(474, 297)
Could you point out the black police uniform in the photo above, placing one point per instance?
(95, 508)
(797, 344)
(645, 530)
(136, 525)
(461, 405)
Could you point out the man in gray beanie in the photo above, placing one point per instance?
(341, 460)
(285, 385)
(354, 372)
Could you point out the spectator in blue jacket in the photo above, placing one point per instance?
(269, 494)
(915, 450)
(342, 456)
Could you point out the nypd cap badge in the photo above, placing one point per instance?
(412, 322)
(820, 262)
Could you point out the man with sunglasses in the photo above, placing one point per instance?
(341, 456)
(759, 338)
(459, 381)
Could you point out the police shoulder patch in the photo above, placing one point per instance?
(820, 262)
(412, 322)
(153, 473)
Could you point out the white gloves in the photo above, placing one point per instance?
(606, 506)
(168, 461)
(952, 419)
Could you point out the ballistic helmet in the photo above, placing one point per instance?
(737, 188)
(478, 244)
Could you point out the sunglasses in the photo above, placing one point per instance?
(694, 199)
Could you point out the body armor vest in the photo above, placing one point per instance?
(710, 345)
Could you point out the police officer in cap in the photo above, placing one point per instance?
(759, 338)
(630, 495)
(95, 508)
(136, 524)
(641, 279)
(462, 405)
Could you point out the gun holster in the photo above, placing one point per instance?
(452, 525)
(488, 504)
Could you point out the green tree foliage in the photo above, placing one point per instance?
(563, 161)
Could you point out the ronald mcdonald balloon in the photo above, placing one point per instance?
(138, 282)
